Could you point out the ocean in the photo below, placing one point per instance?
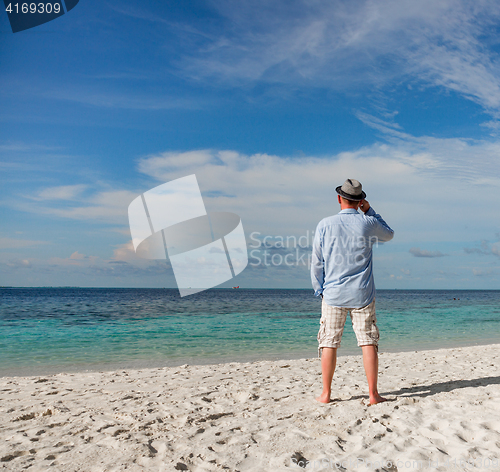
(50, 330)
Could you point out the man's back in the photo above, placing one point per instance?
(342, 274)
(342, 257)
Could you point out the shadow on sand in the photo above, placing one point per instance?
(433, 389)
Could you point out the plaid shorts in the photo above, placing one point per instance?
(333, 318)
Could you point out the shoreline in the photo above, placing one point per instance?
(243, 288)
(136, 364)
(445, 405)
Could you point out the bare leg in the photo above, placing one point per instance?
(328, 363)
(370, 361)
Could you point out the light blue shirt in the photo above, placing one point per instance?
(341, 266)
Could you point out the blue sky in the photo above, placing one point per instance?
(272, 105)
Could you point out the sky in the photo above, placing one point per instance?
(272, 105)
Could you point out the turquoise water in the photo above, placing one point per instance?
(46, 330)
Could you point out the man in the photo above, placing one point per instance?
(342, 275)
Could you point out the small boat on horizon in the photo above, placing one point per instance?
(237, 287)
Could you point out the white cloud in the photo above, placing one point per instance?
(64, 192)
(345, 45)
(77, 256)
(417, 252)
(389, 129)
(481, 272)
(422, 186)
(111, 99)
(11, 243)
(85, 271)
(14, 264)
(125, 252)
(484, 248)
(108, 206)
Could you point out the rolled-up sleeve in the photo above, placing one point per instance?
(317, 263)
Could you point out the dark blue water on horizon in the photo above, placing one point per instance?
(45, 330)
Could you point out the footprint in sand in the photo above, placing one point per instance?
(12, 456)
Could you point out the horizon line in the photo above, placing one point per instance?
(246, 288)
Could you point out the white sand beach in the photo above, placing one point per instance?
(259, 416)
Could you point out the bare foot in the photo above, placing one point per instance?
(377, 399)
(324, 398)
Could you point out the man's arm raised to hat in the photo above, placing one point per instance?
(383, 231)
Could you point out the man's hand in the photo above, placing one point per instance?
(365, 206)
